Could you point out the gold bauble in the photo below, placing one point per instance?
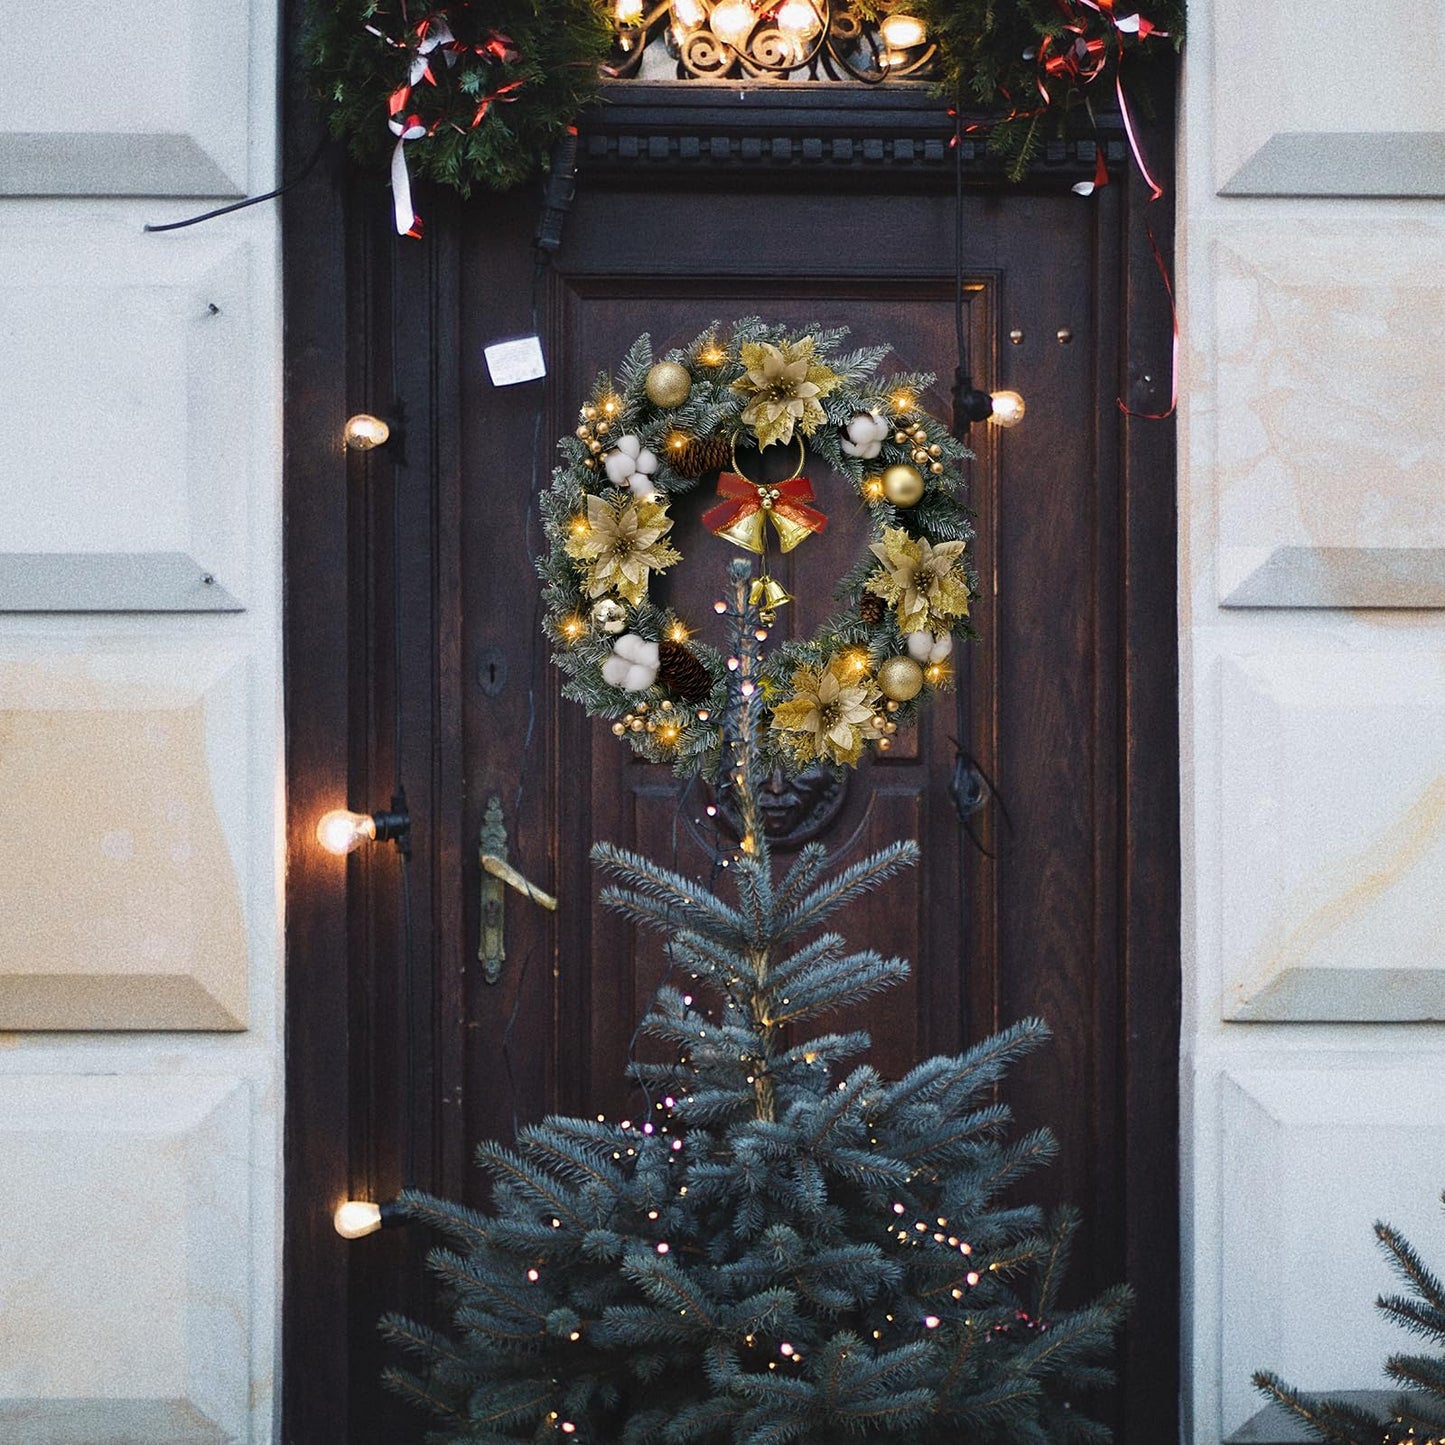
(668, 384)
(900, 678)
(903, 485)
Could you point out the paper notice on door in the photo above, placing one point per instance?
(518, 360)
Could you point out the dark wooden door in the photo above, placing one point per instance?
(1059, 898)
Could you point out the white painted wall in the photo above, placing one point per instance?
(140, 738)
(1313, 742)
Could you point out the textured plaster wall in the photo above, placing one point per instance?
(1312, 514)
(140, 740)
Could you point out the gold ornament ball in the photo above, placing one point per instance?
(900, 678)
(668, 384)
(903, 485)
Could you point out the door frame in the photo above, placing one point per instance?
(345, 285)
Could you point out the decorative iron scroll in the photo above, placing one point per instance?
(741, 39)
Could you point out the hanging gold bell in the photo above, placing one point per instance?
(790, 532)
(767, 594)
(747, 531)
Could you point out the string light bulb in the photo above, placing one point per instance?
(1008, 408)
(341, 831)
(797, 17)
(364, 431)
(1002, 408)
(356, 1218)
(732, 20)
(902, 32)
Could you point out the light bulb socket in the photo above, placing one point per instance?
(969, 403)
(395, 826)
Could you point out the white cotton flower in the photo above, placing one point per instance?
(924, 647)
(633, 664)
(866, 435)
(632, 465)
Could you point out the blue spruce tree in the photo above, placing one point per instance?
(785, 1247)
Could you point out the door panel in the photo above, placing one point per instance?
(1059, 897)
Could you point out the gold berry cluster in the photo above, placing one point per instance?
(594, 422)
(665, 724)
(925, 454)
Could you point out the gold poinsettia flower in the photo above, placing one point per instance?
(925, 580)
(829, 713)
(785, 383)
(621, 541)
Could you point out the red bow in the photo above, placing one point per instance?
(748, 506)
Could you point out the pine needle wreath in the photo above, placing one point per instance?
(493, 83)
(828, 699)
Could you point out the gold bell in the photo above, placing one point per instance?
(747, 532)
(767, 595)
(790, 533)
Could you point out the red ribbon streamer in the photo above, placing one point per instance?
(745, 497)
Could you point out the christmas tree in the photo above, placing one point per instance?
(1415, 1417)
(782, 1246)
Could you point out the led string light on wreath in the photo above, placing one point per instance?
(647, 437)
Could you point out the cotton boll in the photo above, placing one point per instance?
(924, 647)
(619, 467)
(633, 664)
(866, 435)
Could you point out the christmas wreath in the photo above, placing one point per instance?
(466, 93)
(648, 435)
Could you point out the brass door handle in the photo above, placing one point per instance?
(496, 871)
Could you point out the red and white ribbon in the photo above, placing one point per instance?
(408, 129)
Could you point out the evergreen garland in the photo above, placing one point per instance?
(1416, 1416)
(493, 99)
(1033, 64)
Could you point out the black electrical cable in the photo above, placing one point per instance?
(250, 200)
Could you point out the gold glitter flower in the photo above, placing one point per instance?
(829, 713)
(620, 541)
(785, 383)
(925, 580)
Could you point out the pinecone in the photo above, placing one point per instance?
(698, 455)
(681, 670)
(871, 608)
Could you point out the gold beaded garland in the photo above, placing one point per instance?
(668, 384)
(900, 678)
(903, 485)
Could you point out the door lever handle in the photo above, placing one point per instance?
(496, 871)
(500, 868)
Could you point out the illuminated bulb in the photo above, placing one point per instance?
(628, 12)
(357, 1217)
(713, 355)
(971, 1278)
(931, 1322)
(573, 628)
(873, 489)
(902, 401)
(1008, 408)
(785, 1348)
(533, 1276)
(690, 15)
(664, 1248)
(798, 18)
(677, 632)
(341, 832)
(732, 20)
(364, 431)
(903, 32)
(568, 1428)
